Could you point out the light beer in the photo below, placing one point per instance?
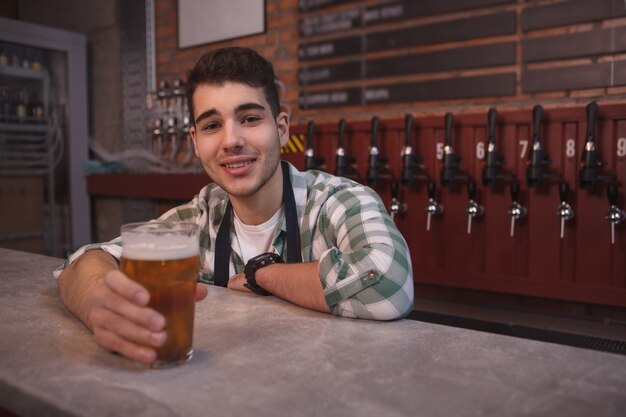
(164, 260)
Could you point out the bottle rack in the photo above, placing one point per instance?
(584, 265)
(31, 145)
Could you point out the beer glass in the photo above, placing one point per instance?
(163, 258)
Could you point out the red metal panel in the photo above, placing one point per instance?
(616, 155)
(592, 230)
(517, 151)
(570, 164)
(544, 226)
(583, 266)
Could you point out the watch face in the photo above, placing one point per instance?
(266, 259)
(260, 261)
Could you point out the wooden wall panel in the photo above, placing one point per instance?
(570, 12)
(574, 45)
(567, 78)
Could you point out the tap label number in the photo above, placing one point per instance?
(621, 147)
(440, 150)
(480, 150)
(570, 148)
(523, 144)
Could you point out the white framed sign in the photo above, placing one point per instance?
(207, 21)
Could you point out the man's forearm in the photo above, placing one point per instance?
(296, 283)
(79, 280)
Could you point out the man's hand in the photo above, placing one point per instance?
(236, 282)
(122, 322)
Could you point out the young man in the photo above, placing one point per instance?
(341, 250)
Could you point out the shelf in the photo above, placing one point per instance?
(157, 186)
(21, 72)
(24, 127)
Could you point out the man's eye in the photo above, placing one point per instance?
(210, 126)
(251, 119)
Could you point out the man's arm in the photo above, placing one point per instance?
(366, 272)
(297, 283)
(78, 282)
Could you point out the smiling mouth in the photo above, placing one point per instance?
(238, 164)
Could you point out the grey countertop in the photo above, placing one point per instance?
(260, 356)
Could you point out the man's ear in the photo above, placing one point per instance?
(192, 132)
(282, 122)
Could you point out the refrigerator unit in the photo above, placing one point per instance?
(44, 204)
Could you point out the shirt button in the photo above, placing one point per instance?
(372, 275)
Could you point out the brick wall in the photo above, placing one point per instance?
(279, 44)
(574, 43)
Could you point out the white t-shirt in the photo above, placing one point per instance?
(254, 240)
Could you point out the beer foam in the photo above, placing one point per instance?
(158, 248)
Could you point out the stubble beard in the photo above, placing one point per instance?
(270, 165)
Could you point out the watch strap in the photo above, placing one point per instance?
(254, 265)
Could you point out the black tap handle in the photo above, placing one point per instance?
(537, 116)
(408, 129)
(471, 190)
(515, 191)
(563, 191)
(592, 116)
(611, 194)
(309, 134)
(431, 189)
(342, 131)
(375, 123)
(394, 190)
(449, 124)
(491, 119)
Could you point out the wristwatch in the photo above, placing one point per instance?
(254, 265)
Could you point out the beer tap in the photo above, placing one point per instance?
(310, 160)
(516, 211)
(172, 137)
(614, 214)
(163, 95)
(432, 206)
(396, 207)
(377, 164)
(537, 160)
(472, 209)
(411, 163)
(343, 163)
(178, 92)
(564, 211)
(591, 159)
(493, 159)
(157, 137)
(186, 139)
(451, 161)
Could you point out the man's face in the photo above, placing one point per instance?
(236, 137)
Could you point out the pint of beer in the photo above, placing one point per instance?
(163, 258)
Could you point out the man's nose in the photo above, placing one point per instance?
(233, 136)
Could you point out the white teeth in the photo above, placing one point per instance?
(238, 165)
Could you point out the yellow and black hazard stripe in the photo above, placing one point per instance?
(295, 144)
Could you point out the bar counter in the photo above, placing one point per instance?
(260, 356)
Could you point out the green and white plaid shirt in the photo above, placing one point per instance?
(364, 262)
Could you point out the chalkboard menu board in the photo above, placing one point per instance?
(414, 50)
(350, 51)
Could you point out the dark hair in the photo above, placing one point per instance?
(236, 64)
